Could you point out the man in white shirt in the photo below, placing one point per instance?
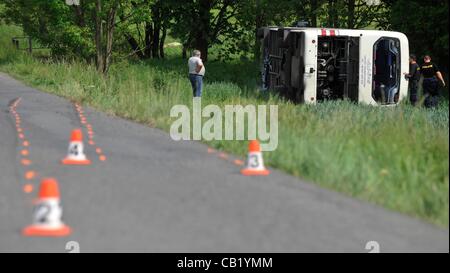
(196, 73)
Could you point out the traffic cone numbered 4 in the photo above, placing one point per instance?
(255, 162)
(75, 155)
(47, 212)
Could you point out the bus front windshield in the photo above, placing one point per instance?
(386, 70)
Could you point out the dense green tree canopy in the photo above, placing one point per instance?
(99, 29)
(425, 22)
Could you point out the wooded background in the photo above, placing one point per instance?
(98, 30)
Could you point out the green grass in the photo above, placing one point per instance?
(395, 157)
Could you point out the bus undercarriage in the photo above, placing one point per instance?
(337, 64)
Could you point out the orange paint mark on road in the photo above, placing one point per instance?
(30, 175)
(24, 152)
(223, 156)
(238, 162)
(211, 150)
(26, 143)
(21, 136)
(26, 162)
(28, 188)
(84, 121)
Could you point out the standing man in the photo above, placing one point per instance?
(196, 73)
(413, 77)
(431, 74)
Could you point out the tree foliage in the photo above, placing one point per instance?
(139, 27)
(65, 30)
(425, 22)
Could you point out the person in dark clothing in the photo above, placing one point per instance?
(431, 75)
(413, 77)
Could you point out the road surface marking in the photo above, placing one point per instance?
(28, 188)
(238, 162)
(26, 162)
(223, 155)
(226, 157)
(30, 175)
(90, 131)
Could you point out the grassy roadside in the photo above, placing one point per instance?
(395, 157)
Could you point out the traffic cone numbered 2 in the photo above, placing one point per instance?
(75, 155)
(255, 162)
(47, 212)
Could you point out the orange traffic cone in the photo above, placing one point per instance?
(47, 212)
(76, 154)
(255, 163)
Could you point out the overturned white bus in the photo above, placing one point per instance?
(312, 64)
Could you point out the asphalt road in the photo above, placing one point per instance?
(153, 194)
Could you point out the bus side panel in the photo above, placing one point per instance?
(366, 67)
(310, 76)
(404, 56)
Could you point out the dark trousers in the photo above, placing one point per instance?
(197, 84)
(413, 87)
(431, 92)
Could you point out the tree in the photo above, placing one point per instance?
(333, 16)
(259, 13)
(200, 24)
(145, 24)
(97, 29)
(360, 15)
(64, 29)
(425, 23)
(85, 31)
(352, 14)
(104, 32)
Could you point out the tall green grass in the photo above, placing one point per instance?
(395, 157)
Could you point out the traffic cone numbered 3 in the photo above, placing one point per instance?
(255, 162)
(75, 155)
(47, 212)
